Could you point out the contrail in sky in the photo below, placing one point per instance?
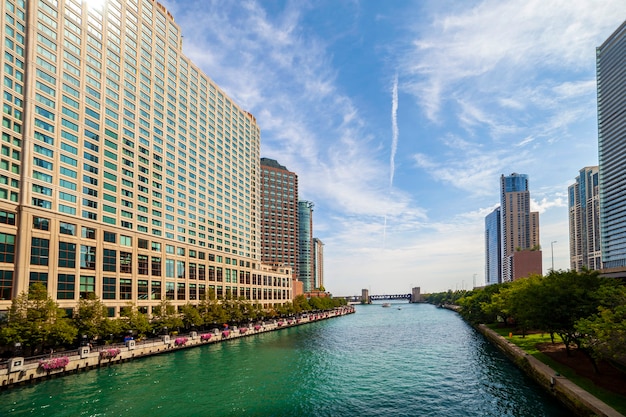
(394, 130)
(394, 142)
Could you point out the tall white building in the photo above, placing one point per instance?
(125, 171)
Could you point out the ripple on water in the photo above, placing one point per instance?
(418, 361)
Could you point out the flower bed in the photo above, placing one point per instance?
(243, 330)
(225, 333)
(109, 353)
(55, 363)
(205, 337)
(257, 327)
(180, 341)
(280, 323)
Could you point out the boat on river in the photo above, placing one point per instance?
(386, 304)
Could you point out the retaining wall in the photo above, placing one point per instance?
(568, 393)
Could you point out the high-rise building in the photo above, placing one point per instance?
(125, 171)
(493, 248)
(611, 84)
(318, 263)
(279, 215)
(305, 236)
(520, 229)
(584, 221)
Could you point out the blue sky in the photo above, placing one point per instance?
(400, 116)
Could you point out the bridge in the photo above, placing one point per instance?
(365, 298)
(391, 297)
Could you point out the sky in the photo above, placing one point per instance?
(399, 117)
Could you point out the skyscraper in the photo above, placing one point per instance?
(520, 229)
(305, 236)
(125, 171)
(611, 82)
(279, 215)
(493, 247)
(318, 263)
(584, 220)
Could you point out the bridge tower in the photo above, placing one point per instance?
(416, 296)
(365, 297)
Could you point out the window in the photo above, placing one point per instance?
(87, 285)
(109, 260)
(39, 251)
(108, 288)
(67, 255)
(110, 237)
(87, 257)
(39, 223)
(9, 218)
(180, 269)
(41, 277)
(156, 266)
(126, 240)
(66, 285)
(142, 243)
(142, 264)
(126, 262)
(126, 289)
(155, 290)
(67, 229)
(88, 232)
(181, 291)
(169, 290)
(142, 289)
(6, 285)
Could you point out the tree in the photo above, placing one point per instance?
(36, 322)
(165, 315)
(191, 316)
(604, 333)
(133, 320)
(91, 318)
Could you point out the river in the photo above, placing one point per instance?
(406, 360)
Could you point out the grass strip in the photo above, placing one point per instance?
(529, 345)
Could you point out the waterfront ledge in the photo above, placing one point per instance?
(568, 393)
(19, 370)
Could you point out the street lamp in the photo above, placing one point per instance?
(552, 248)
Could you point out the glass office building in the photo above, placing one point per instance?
(125, 171)
(584, 221)
(493, 249)
(611, 84)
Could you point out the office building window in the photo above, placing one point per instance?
(39, 251)
(66, 286)
(87, 286)
(87, 257)
(109, 260)
(108, 288)
(67, 255)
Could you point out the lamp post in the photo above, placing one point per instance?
(552, 248)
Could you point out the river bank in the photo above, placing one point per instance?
(568, 393)
(20, 370)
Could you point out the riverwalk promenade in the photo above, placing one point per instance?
(20, 370)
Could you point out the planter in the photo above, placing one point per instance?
(206, 336)
(257, 327)
(55, 363)
(226, 333)
(180, 341)
(243, 330)
(109, 353)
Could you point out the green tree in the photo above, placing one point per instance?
(165, 315)
(91, 318)
(36, 322)
(191, 316)
(132, 320)
(604, 333)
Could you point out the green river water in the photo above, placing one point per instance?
(407, 360)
